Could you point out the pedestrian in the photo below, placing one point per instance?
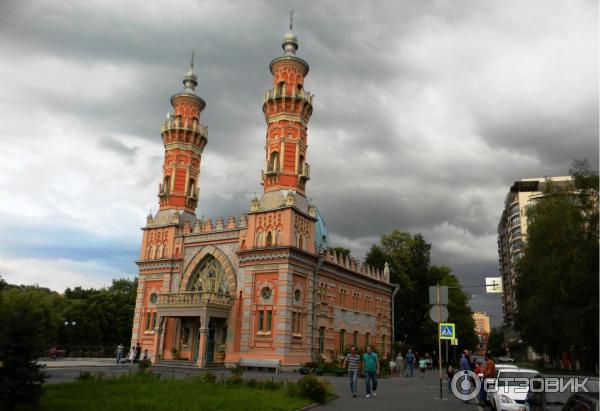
(450, 375)
(131, 355)
(138, 352)
(392, 367)
(422, 366)
(465, 365)
(119, 352)
(488, 372)
(371, 367)
(352, 361)
(399, 363)
(146, 356)
(410, 363)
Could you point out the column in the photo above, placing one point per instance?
(203, 340)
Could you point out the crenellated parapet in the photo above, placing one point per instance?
(206, 226)
(356, 266)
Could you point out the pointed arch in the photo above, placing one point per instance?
(222, 259)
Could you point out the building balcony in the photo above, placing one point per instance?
(192, 299)
(305, 171)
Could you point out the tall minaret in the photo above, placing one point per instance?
(287, 108)
(184, 138)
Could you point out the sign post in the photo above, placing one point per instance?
(439, 320)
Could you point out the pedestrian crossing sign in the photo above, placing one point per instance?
(447, 331)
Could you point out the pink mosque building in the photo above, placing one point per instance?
(263, 289)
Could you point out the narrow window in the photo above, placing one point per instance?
(367, 335)
(269, 239)
(274, 161)
(148, 315)
(342, 338)
(355, 338)
(269, 315)
(321, 340)
(301, 165)
(166, 184)
(261, 320)
(191, 187)
(153, 321)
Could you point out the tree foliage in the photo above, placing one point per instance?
(495, 342)
(410, 267)
(557, 279)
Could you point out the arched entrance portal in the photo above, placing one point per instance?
(197, 316)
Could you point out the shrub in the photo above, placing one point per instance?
(314, 389)
(237, 370)
(144, 365)
(320, 371)
(304, 370)
(271, 385)
(208, 378)
(339, 372)
(252, 383)
(291, 389)
(234, 380)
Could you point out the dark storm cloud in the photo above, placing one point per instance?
(425, 112)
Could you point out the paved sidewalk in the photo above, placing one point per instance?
(78, 362)
(397, 393)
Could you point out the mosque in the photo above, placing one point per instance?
(264, 289)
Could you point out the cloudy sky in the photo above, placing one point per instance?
(425, 113)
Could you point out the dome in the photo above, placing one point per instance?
(321, 236)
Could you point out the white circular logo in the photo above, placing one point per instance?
(465, 385)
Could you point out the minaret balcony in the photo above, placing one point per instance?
(283, 92)
(305, 172)
(163, 191)
(177, 123)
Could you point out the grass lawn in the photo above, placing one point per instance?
(132, 394)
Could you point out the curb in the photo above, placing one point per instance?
(316, 404)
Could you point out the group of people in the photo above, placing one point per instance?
(409, 363)
(369, 362)
(482, 371)
(133, 356)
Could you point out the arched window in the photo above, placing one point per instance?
(167, 184)
(301, 165)
(209, 276)
(191, 187)
(274, 161)
(152, 252)
(269, 241)
(280, 87)
(160, 251)
(300, 242)
(259, 239)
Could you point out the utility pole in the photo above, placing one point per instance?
(439, 320)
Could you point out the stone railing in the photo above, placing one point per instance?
(191, 298)
(222, 224)
(177, 123)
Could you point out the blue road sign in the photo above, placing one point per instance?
(447, 331)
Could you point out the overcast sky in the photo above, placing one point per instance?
(425, 113)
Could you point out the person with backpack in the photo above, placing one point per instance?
(371, 367)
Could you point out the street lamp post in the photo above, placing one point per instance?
(69, 325)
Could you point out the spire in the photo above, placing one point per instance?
(290, 41)
(190, 80)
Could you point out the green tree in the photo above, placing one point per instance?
(409, 259)
(27, 325)
(496, 342)
(557, 279)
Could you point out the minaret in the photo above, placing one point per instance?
(184, 138)
(287, 108)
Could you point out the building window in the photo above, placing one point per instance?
(515, 221)
(153, 298)
(266, 293)
(297, 296)
(342, 338)
(367, 335)
(321, 340)
(166, 184)
(296, 319)
(148, 317)
(264, 321)
(355, 338)
(274, 162)
(514, 209)
(153, 321)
